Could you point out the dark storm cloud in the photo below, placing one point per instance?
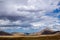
(1, 1)
(26, 25)
(11, 17)
(14, 18)
(29, 10)
(10, 14)
(21, 25)
(7, 12)
(10, 26)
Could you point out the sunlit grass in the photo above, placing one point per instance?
(56, 37)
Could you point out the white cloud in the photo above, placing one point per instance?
(44, 4)
(32, 5)
(4, 22)
(37, 19)
(6, 28)
(7, 22)
(16, 22)
(47, 21)
(26, 29)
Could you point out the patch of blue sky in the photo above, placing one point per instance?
(14, 30)
(21, 30)
(59, 16)
(54, 13)
(31, 30)
(56, 10)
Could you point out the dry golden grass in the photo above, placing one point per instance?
(44, 37)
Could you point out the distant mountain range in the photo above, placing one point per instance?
(2, 33)
(43, 32)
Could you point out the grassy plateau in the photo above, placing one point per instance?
(42, 37)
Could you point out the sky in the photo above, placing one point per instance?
(29, 15)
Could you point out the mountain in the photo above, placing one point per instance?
(57, 32)
(49, 31)
(46, 31)
(2, 33)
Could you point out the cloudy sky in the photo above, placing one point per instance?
(29, 15)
